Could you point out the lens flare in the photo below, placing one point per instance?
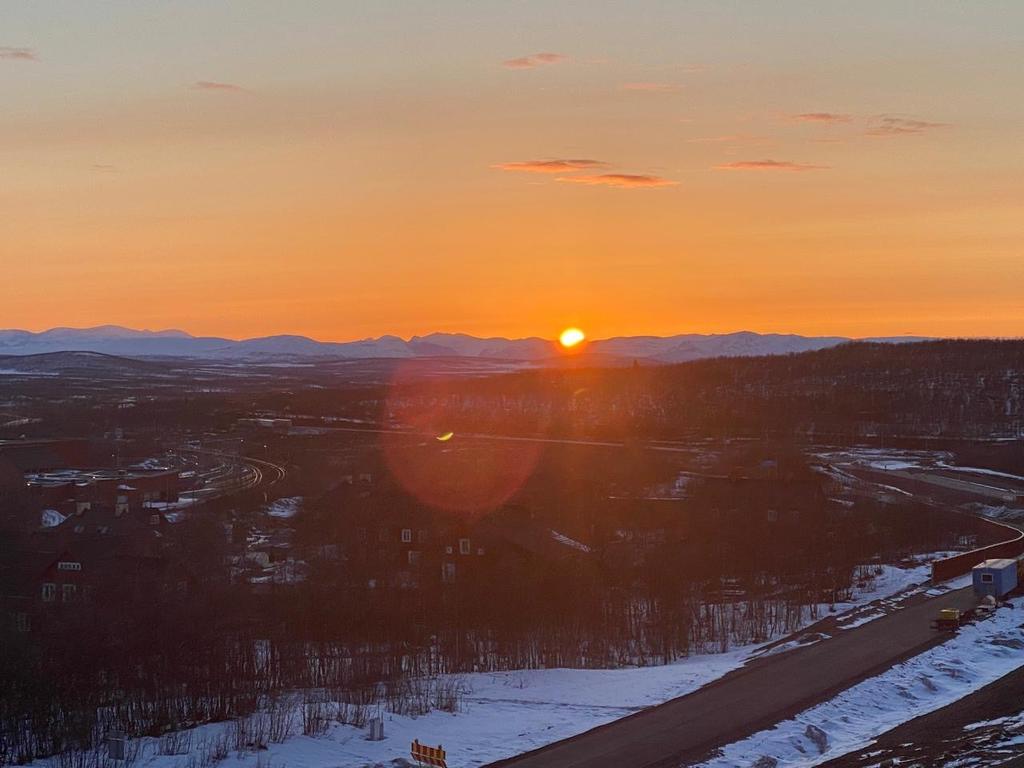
(468, 477)
(571, 337)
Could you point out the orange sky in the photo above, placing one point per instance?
(512, 169)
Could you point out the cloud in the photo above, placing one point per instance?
(651, 87)
(735, 138)
(822, 117)
(622, 180)
(210, 85)
(17, 54)
(534, 60)
(890, 125)
(550, 166)
(769, 165)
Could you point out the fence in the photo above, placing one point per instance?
(958, 565)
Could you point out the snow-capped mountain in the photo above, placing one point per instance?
(126, 342)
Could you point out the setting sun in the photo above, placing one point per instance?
(571, 337)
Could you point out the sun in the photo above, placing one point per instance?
(571, 337)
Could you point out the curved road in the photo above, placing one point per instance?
(754, 697)
(260, 473)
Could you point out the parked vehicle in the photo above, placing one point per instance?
(948, 619)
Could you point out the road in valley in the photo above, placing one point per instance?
(754, 697)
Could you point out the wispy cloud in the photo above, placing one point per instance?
(551, 166)
(651, 87)
(733, 138)
(822, 117)
(17, 54)
(212, 85)
(891, 125)
(769, 165)
(621, 180)
(534, 60)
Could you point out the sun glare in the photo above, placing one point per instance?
(571, 337)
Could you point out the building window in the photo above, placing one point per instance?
(22, 623)
(422, 536)
(986, 578)
(382, 534)
(68, 565)
(448, 573)
(414, 557)
(464, 547)
(407, 535)
(68, 592)
(49, 593)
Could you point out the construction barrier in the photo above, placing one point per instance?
(432, 756)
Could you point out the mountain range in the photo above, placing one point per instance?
(127, 342)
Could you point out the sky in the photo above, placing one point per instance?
(351, 169)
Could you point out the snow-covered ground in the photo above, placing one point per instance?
(506, 713)
(1003, 740)
(286, 507)
(51, 518)
(978, 655)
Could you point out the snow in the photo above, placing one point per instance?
(976, 656)
(171, 509)
(507, 713)
(800, 642)
(990, 723)
(51, 518)
(958, 583)
(893, 464)
(561, 538)
(863, 619)
(284, 508)
(980, 471)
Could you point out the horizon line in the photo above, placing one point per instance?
(553, 339)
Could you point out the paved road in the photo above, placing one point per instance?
(752, 698)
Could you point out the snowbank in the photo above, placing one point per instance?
(978, 655)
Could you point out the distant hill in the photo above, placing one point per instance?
(127, 342)
(86, 363)
(861, 391)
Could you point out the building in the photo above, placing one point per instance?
(72, 491)
(995, 578)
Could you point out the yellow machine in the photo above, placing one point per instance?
(949, 618)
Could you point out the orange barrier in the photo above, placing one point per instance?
(432, 756)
